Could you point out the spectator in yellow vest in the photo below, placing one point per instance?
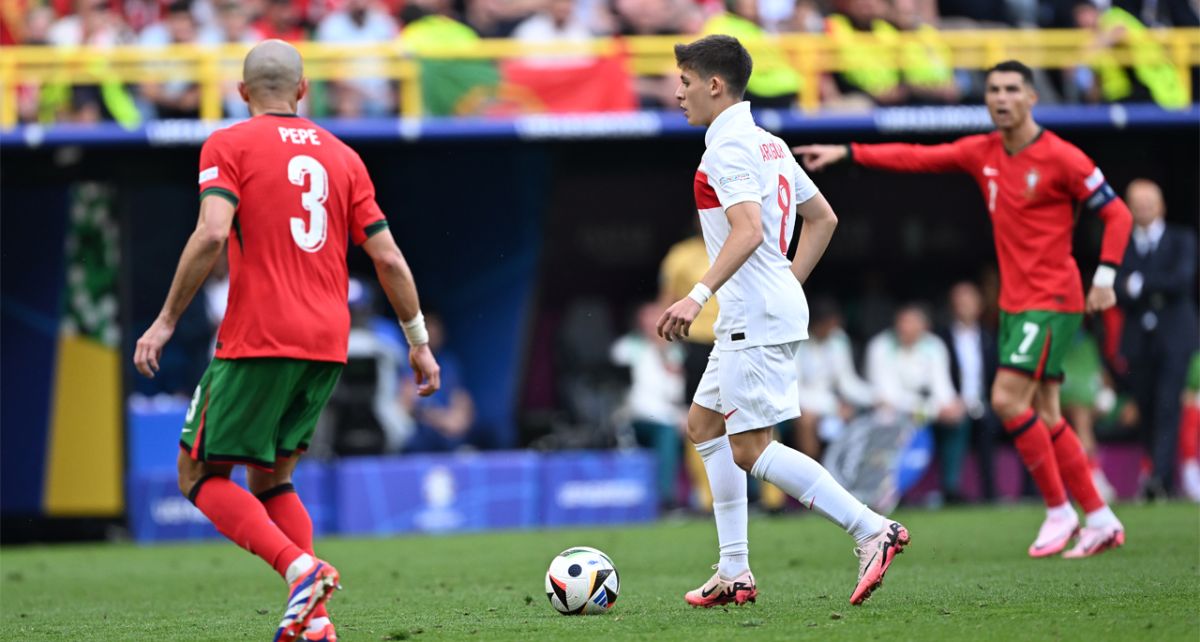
(868, 74)
(774, 81)
(926, 61)
(1154, 76)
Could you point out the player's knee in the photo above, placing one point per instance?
(1006, 404)
(745, 457)
(747, 448)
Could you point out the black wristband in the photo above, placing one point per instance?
(849, 154)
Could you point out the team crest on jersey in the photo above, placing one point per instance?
(1031, 181)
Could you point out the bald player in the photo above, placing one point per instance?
(292, 194)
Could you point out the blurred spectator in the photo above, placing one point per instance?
(973, 362)
(831, 392)
(806, 18)
(35, 31)
(448, 86)
(684, 265)
(926, 60)
(164, 30)
(1156, 289)
(774, 82)
(869, 74)
(1154, 76)
(360, 21)
(775, 15)
(281, 19)
(232, 26)
(649, 17)
(498, 18)
(655, 402)
(909, 369)
(93, 23)
(1159, 13)
(556, 21)
(1084, 397)
(446, 420)
(175, 98)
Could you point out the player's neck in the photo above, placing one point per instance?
(1020, 137)
(719, 107)
(272, 107)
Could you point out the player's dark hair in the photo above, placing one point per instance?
(720, 56)
(1013, 65)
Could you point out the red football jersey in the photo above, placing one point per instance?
(1031, 197)
(301, 195)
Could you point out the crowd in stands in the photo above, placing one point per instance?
(860, 29)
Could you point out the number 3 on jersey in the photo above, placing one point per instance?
(310, 238)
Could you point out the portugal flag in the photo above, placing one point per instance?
(569, 87)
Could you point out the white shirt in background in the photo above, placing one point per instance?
(656, 372)
(827, 376)
(913, 379)
(370, 75)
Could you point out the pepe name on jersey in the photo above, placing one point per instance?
(299, 135)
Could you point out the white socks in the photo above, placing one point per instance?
(1063, 511)
(806, 480)
(1101, 517)
(728, 485)
(298, 567)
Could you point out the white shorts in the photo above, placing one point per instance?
(754, 387)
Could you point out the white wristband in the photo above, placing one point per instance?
(700, 294)
(414, 331)
(1105, 277)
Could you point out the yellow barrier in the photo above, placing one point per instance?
(812, 55)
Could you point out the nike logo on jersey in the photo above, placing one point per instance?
(990, 171)
(187, 430)
(1021, 358)
(730, 414)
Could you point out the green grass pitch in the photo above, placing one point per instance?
(965, 577)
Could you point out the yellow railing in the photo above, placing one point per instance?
(213, 67)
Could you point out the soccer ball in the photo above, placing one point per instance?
(582, 581)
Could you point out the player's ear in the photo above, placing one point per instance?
(302, 90)
(715, 85)
(243, 92)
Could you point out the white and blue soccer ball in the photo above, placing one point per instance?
(582, 581)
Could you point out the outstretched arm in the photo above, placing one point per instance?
(895, 157)
(401, 290)
(745, 235)
(197, 260)
(816, 231)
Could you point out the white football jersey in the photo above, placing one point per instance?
(762, 303)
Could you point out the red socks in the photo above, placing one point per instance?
(1032, 440)
(1189, 433)
(240, 517)
(288, 513)
(1073, 464)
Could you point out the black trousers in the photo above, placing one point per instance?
(1157, 378)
